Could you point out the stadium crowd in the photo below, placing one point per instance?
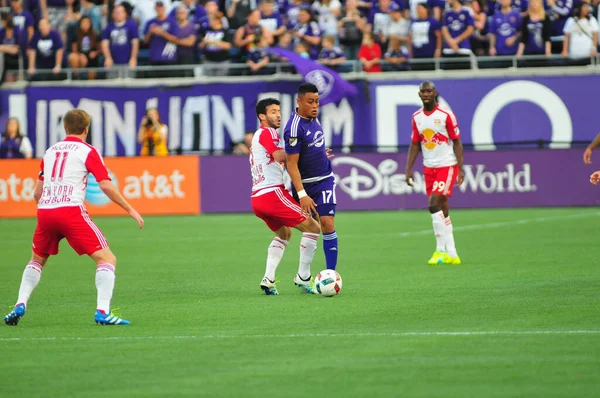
(48, 35)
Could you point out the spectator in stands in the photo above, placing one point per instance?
(46, 51)
(271, 20)
(243, 148)
(581, 35)
(303, 49)
(328, 12)
(479, 38)
(436, 7)
(22, 20)
(379, 21)
(84, 51)
(14, 145)
(425, 35)
(120, 43)
(330, 55)
(249, 35)
(535, 35)
(286, 41)
(351, 27)
(370, 54)
(212, 8)
(293, 12)
(308, 31)
(259, 58)
(143, 11)
(505, 30)
(216, 45)
(458, 26)
(186, 45)
(238, 11)
(194, 11)
(10, 46)
(161, 37)
(399, 27)
(396, 57)
(93, 12)
(558, 12)
(152, 134)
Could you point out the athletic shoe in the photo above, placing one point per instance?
(269, 287)
(437, 258)
(306, 285)
(109, 319)
(451, 260)
(12, 318)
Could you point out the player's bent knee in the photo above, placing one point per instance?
(309, 225)
(327, 224)
(284, 233)
(104, 256)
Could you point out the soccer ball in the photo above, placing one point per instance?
(328, 283)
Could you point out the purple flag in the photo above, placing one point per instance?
(332, 87)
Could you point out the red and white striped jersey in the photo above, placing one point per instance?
(64, 171)
(267, 174)
(435, 131)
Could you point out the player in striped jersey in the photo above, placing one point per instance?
(273, 204)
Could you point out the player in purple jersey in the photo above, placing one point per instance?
(309, 166)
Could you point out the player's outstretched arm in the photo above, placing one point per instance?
(587, 155)
(306, 202)
(113, 194)
(413, 152)
(460, 159)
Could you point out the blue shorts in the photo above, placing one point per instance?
(323, 193)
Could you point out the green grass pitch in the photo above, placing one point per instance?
(519, 318)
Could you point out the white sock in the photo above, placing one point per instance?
(308, 247)
(31, 277)
(105, 284)
(449, 237)
(275, 253)
(439, 228)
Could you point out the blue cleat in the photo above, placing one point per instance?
(12, 318)
(109, 319)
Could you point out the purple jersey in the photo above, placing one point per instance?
(293, 12)
(305, 137)
(424, 42)
(334, 53)
(558, 16)
(505, 26)
(45, 48)
(257, 54)
(161, 50)
(457, 23)
(22, 20)
(120, 37)
(184, 32)
(517, 5)
(310, 29)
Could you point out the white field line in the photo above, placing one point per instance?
(504, 223)
(320, 335)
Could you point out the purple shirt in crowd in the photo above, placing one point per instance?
(186, 31)
(45, 48)
(161, 50)
(120, 37)
(505, 26)
(457, 23)
(423, 37)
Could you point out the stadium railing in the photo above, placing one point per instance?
(200, 70)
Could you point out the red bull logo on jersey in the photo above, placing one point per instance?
(431, 139)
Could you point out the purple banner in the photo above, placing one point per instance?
(211, 116)
(527, 178)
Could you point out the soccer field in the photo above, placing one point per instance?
(520, 317)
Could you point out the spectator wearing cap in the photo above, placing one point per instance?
(328, 12)
(46, 51)
(160, 35)
(143, 11)
(308, 30)
(458, 26)
(425, 35)
(215, 46)
(22, 20)
(248, 36)
(120, 43)
(399, 27)
(330, 55)
(238, 11)
(351, 27)
(271, 19)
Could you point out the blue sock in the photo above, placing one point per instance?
(330, 247)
